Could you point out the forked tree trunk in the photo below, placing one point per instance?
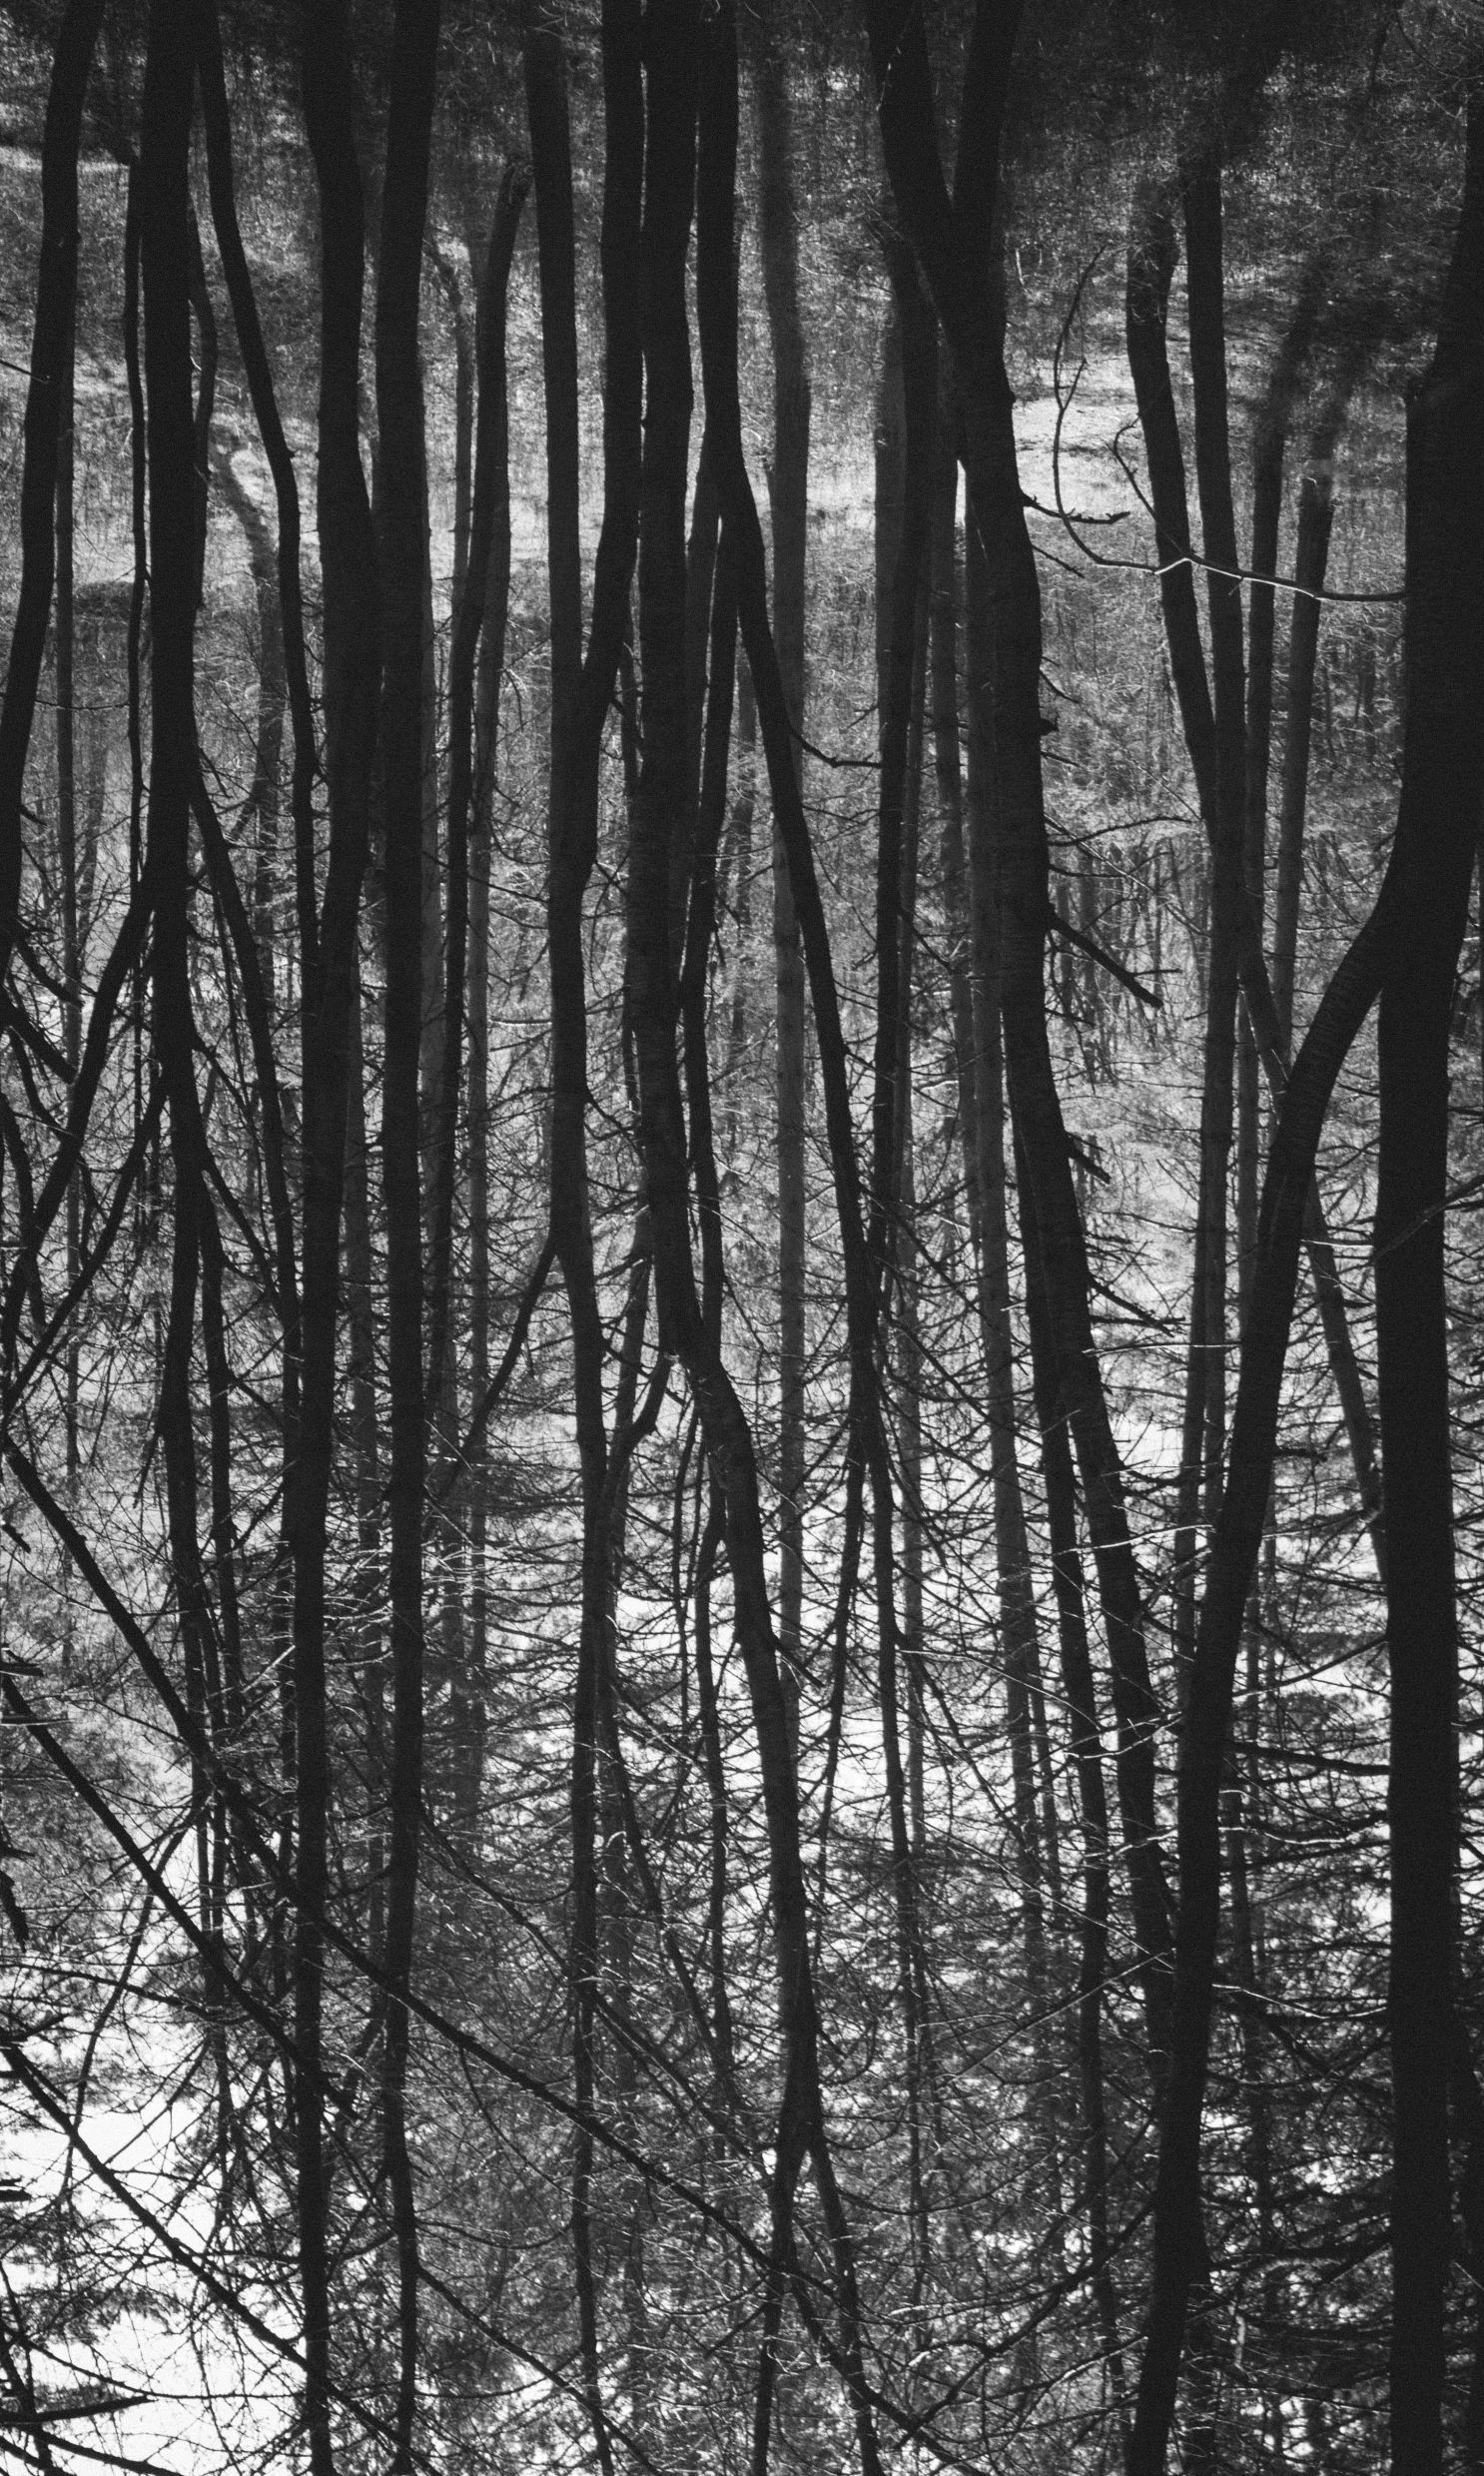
(1244, 1789)
(801, 2132)
(1408, 947)
(952, 239)
(1152, 258)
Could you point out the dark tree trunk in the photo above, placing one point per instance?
(51, 348)
(1206, 290)
(1078, 1687)
(468, 618)
(352, 677)
(64, 637)
(1442, 785)
(580, 691)
(801, 2126)
(474, 709)
(403, 559)
(280, 464)
(788, 485)
(1311, 562)
(996, 1334)
(903, 472)
(261, 805)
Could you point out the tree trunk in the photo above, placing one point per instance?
(65, 658)
(788, 487)
(801, 2124)
(1311, 558)
(403, 560)
(352, 677)
(1080, 1693)
(580, 691)
(474, 723)
(737, 891)
(1012, 1547)
(1442, 785)
(50, 350)
(281, 465)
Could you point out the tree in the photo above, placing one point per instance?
(694, 1690)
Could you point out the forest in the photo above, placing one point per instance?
(741, 1340)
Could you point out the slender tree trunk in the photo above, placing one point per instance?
(580, 692)
(1311, 562)
(65, 653)
(1244, 1790)
(1468, 2117)
(1206, 291)
(51, 345)
(904, 470)
(801, 2126)
(738, 890)
(949, 778)
(403, 558)
(169, 260)
(371, 1641)
(206, 357)
(1079, 1691)
(788, 485)
(289, 623)
(1012, 1545)
(352, 679)
(1442, 786)
(474, 723)
(261, 805)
